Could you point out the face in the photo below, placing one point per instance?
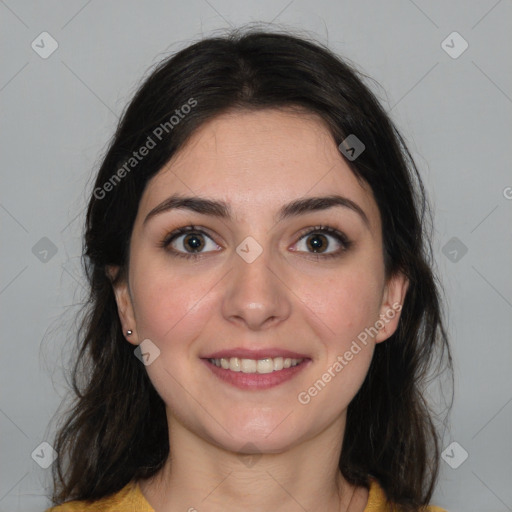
(276, 255)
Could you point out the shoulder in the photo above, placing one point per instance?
(377, 501)
(128, 499)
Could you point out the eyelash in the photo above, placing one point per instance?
(340, 237)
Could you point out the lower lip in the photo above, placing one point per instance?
(256, 381)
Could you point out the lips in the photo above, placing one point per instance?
(256, 381)
(256, 369)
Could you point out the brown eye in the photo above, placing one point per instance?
(317, 242)
(194, 242)
(324, 241)
(189, 241)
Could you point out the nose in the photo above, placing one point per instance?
(256, 296)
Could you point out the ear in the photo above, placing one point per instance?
(392, 303)
(124, 303)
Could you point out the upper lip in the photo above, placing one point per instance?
(262, 353)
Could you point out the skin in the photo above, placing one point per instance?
(289, 297)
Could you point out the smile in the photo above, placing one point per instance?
(266, 365)
(256, 374)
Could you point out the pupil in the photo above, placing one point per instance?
(317, 242)
(193, 241)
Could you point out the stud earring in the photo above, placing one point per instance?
(129, 332)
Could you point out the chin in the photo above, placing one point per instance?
(274, 434)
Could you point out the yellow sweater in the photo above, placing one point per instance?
(131, 499)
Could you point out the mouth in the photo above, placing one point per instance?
(261, 366)
(261, 371)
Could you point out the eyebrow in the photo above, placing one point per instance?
(222, 210)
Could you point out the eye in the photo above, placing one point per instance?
(324, 241)
(193, 242)
(189, 242)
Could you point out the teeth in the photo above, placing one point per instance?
(267, 365)
(248, 365)
(278, 363)
(234, 364)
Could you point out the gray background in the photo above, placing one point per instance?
(58, 114)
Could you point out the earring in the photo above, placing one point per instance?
(129, 332)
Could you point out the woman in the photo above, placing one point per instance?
(263, 313)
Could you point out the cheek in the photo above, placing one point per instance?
(171, 310)
(170, 306)
(346, 307)
(346, 303)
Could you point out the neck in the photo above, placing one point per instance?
(200, 475)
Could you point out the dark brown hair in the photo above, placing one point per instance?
(116, 430)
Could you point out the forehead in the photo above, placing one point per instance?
(257, 161)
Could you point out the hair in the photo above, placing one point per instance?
(116, 429)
